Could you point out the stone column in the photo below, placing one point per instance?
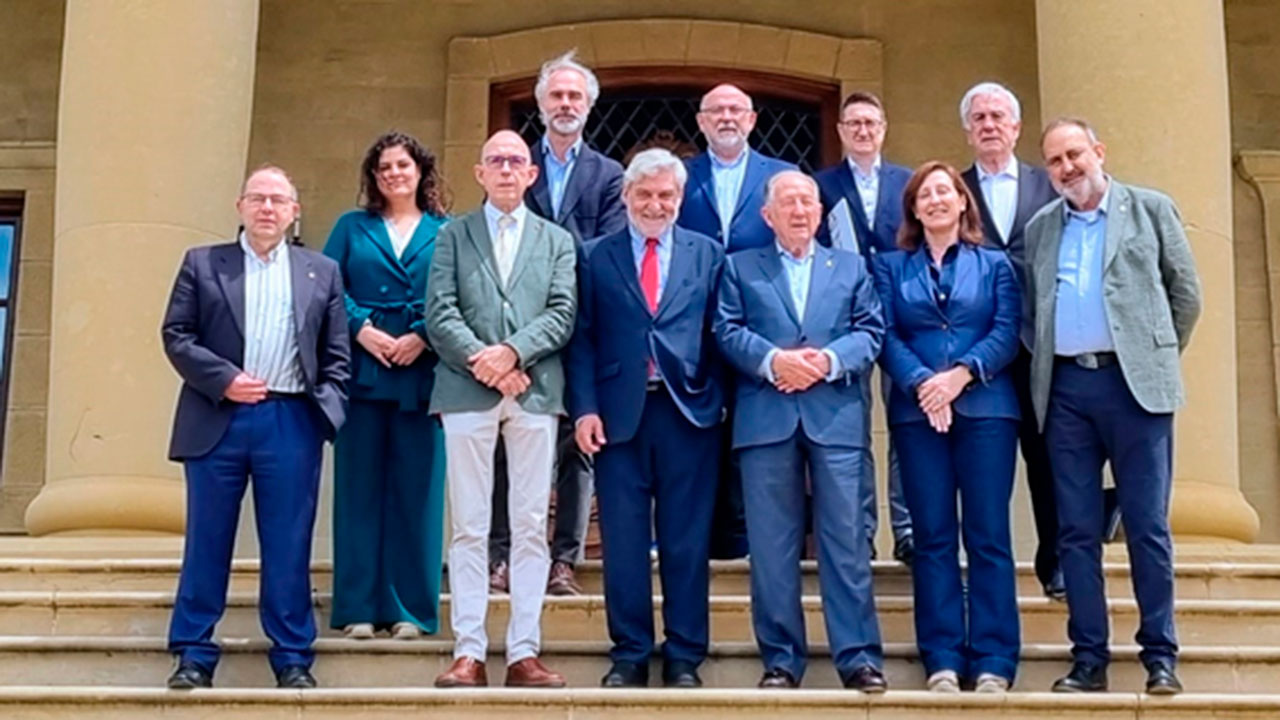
(153, 134)
(1151, 76)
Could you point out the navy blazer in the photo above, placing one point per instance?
(592, 203)
(1034, 192)
(756, 314)
(390, 293)
(836, 183)
(698, 209)
(977, 328)
(616, 334)
(203, 333)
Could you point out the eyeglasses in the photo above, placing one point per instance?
(861, 124)
(730, 110)
(258, 199)
(495, 162)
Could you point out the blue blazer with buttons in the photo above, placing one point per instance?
(698, 209)
(836, 183)
(977, 327)
(616, 334)
(390, 293)
(756, 314)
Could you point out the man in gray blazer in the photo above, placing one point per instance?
(501, 298)
(1115, 296)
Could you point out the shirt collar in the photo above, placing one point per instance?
(716, 162)
(1010, 170)
(272, 256)
(857, 171)
(492, 213)
(1088, 216)
(637, 239)
(569, 157)
(786, 254)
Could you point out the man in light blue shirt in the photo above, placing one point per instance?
(1080, 316)
(558, 170)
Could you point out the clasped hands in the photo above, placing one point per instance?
(797, 370)
(388, 349)
(936, 394)
(495, 366)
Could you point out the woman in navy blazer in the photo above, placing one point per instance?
(951, 310)
(388, 494)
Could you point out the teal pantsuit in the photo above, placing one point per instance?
(388, 498)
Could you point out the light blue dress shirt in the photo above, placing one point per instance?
(558, 172)
(1080, 315)
(868, 189)
(727, 179)
(1000, 190)
(664, 255)
(270, 337)
(799, 271)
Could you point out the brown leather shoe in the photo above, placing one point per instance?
(464, 672)
(561, 580)
(499, 578)
(530, 672)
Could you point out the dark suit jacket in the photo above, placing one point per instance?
(836, 183)
(1034, 192)
(756, 314)
(592, 204)
(698, 210)
(390, 293)
(203, 335)
(978, 328)
(616, 334)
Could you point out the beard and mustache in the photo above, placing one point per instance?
(564, 123)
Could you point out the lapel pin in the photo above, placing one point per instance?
(311, 275)
(829, 263)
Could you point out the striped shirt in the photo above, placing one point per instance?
(270, 337)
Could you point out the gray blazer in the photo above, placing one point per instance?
(469, 309)
(1150, 289)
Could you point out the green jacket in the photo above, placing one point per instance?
(468, 309)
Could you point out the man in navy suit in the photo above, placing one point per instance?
(258, 331)
(1009, 192)
(580, 190)
(646, 401)
(722, 200)
(801, 324)
(863, 195)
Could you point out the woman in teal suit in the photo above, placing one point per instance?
(388, 497)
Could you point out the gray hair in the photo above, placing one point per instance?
(1072, 121)
(988, 88)
(652, 162)
(772, 186)
(567, 61)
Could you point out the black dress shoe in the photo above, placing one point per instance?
(295, 677)
(1056, 588)
(777, 679)
(189, 676)
(1084, 677)
(904, 551)
(1162, 680)
(867, 679)
(678, 674)
(626, 675)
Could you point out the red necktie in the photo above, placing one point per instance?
(649, 273)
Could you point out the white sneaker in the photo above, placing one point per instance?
(359, 631)
(405, 631)
(944, 681)
(991, 683)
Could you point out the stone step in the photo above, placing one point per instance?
(32, 703)
(1254, 623)
(342, 663)
(1195, 580)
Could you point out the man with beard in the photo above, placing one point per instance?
(580, 190)
(723, 200)
(1116, 296)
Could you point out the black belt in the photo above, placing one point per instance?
(276, 395)
(1088, 361)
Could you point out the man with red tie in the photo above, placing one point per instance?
(646, 400)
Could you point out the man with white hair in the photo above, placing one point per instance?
(801, 324)
(1009, 192)
(645, 397)
(580, 190)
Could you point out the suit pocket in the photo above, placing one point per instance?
(1165, 336)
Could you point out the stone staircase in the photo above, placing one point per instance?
(85, 637)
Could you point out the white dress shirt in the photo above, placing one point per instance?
(505, 245)
(270, 337)
(1000, 190)
(400, 242)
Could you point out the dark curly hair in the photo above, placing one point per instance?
(432, 197)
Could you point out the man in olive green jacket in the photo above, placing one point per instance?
(501, 297)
